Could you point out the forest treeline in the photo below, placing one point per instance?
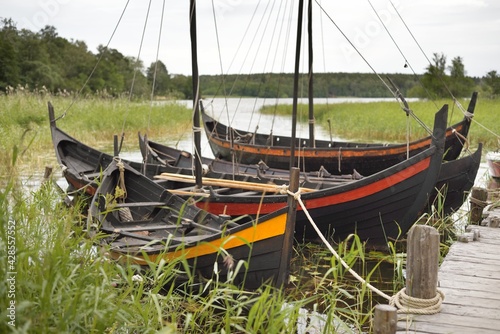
(44, 61)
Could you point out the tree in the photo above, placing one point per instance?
(161, 79)
(492, 81)
(439, 84)
(435, 80)
(460, 84)
(9, 63)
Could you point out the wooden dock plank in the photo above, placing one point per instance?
(469, 277)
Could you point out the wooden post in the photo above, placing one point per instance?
(47, 173)
(478, 199)
(385, 320)
(422, 262)
(286, 253)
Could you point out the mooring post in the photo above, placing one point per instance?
(385, 319)
(47, 173)
(286, 253)
(478, 199)
(422, 262)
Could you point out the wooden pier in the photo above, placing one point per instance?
(469, 277)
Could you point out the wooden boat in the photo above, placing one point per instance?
(455, 180)
(143, 221)
(493, 162)
(157, 153)
(337, 157)
(377, 207)
(82, 164)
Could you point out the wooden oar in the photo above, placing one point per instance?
(254, 186)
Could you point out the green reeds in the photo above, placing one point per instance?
(387, 122)
(92, 120)
(64, 283)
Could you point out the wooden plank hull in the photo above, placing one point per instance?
(378, 207)
(169, 228)
(337, 157)
(455, 178)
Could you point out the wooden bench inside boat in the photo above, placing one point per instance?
(138, 204)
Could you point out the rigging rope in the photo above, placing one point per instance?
(461, 108)
(401, 300)
(136, 69)
(356, 49)
(156, 65)
(95, 66)
(407, 63)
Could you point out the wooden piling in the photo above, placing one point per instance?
(422, 262)
(478, 200)
(286, 253)
(385, 319)
(47, 173)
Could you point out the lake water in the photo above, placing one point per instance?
(243, 113)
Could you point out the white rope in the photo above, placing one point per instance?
(412, 305)
(401, 300)
(322, 237)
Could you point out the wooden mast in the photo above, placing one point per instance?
(196, 93)
(312, 139)
(296, 83)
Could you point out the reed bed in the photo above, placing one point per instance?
(387, 122)
(24, 122)
(65, 284)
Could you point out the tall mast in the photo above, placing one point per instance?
(296, 82)
(196, 93)
(311, 90)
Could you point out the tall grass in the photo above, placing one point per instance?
(92, 120)
(387, 122)
(64, 284)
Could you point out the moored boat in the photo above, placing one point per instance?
(378, 208)
(141, 221)
(336, 157)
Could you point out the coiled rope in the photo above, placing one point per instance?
(403, 302)
(124, 212)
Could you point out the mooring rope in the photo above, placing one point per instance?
(121, 178)
(124, 212)
(463, 140)
(478, 202)
(403, 302)
(411, 305)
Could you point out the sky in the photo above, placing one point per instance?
(255, 36)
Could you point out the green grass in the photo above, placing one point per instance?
(64, 284)
(387, 122)
(24, 122)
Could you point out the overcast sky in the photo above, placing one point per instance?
(466, 28)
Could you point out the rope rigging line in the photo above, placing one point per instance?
(396, 93)
(455, 100)
(95, 66)
(428, 60)
(156, 66)
(136, 69)
(407, 63)
(401, 300)
(357, 50)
